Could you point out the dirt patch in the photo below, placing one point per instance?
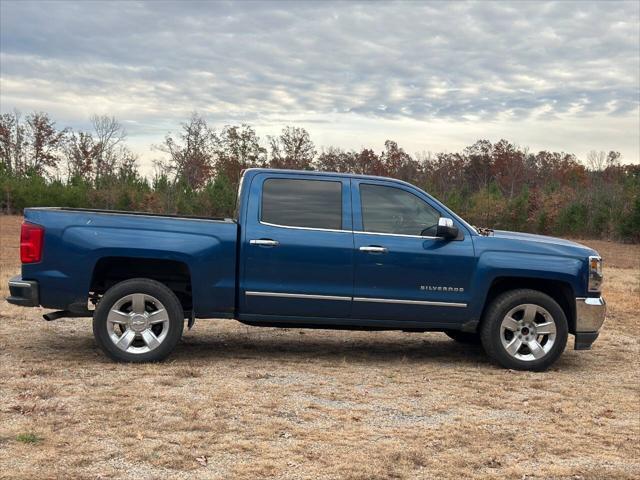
(241, 402)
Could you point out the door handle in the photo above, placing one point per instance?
(264, 242)
(372, 249)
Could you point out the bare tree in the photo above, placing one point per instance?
(596, 161)
(108, 134)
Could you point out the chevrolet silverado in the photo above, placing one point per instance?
(317, 250)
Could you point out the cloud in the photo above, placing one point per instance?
(152, 63)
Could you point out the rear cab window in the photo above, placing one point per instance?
(302, 203)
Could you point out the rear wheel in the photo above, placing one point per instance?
(138, 320)
(524, 330)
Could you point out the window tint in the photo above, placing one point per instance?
(302, 203)
(392, 210)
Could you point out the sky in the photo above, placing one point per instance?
(433, 76)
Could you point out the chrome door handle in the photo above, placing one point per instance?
(264, 242)
(372, 249)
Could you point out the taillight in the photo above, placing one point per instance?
(31, 240)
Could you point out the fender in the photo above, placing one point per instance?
(492, 265)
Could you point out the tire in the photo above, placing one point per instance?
(524, 330)
(466, 338)
(138, 320)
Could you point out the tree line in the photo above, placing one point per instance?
(496, 185)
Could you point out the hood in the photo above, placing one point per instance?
(529, 242)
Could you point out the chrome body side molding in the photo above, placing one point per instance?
(296, 295)
(410, 302)
(355, 299)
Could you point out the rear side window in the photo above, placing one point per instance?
(302, 203)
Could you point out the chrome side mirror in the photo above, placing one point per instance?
(446, 229)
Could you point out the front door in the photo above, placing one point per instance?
(402, 271)
(298, 247)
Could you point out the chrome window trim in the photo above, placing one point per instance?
(342, 213)
(410, 302)
(296, 295)
(304, 228)
(347, 231)
(397, 235)
(355, 299)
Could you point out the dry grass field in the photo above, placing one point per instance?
(240, 402)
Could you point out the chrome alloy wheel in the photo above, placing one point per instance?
(528, 332)
(137, 323)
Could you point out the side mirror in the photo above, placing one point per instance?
(446, 229)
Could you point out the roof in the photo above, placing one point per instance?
(330, 174)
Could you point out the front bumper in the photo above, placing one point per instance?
(23, 292)
(590, 315)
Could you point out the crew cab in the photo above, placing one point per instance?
(311, 249)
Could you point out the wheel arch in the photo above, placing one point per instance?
(176, 275)
(561, 292)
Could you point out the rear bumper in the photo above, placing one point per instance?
(590, 315)
(23, 292)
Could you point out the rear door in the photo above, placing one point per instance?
(298, 247)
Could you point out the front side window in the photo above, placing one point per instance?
(302, 203)
(392, 210)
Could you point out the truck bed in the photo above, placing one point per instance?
(77, 239)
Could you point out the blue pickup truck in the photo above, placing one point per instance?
(316, 250)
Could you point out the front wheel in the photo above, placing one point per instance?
(524, 330)
(138, 320)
